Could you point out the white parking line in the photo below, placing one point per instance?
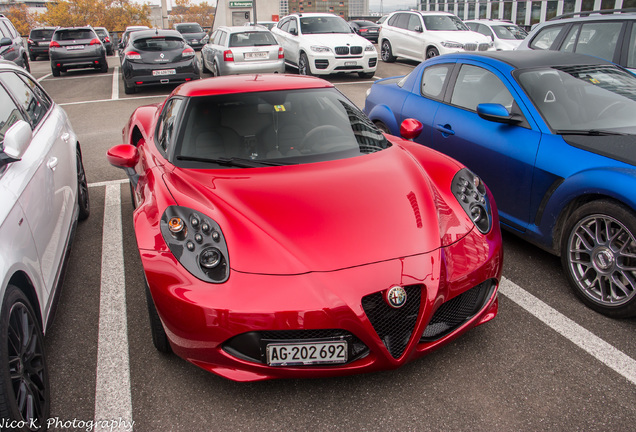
(112, 391)
(584, 339)
(115, 92)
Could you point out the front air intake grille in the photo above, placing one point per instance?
(252, 346)
(484, 46)
(394, 326)
(356, 50)
(470, 47)
(457, 311)
(373, 62)
(321, 64)
(342, 50)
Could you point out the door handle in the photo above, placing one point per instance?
(446, 130)
(52, 163)
(65, 136)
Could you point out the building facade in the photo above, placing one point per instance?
(337, 7)
(524, 13)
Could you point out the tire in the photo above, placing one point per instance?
(386, 53)
(129, 89)
(215, 70)
(159, 337)
(104, 66)
(366, 75)
(27, 66)
(598, 249)
(32, 57)
(380, 125)
(303, 65)
(431, 52)
(83, 198)
(204, 68)
(55, 71)
(24, 378)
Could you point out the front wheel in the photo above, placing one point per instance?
(431, 52)
(24, 379)
(598, 254)
(159, 336)
(386, 53)
(303, 65)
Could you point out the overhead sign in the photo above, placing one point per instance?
(241, 4)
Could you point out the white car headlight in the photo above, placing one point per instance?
(451, 44)
(320, 49)
(369, 48)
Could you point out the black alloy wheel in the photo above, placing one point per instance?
(386, 52)
(303, 65)
(24, 379)
(431, 52)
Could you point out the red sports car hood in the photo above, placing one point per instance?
(321, 216)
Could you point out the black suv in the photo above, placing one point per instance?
(39, 41)
(11, 44)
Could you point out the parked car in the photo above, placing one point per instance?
(267, 24)
(418, 36)
(39, 41)
(598, 33)
(76, 48)
(123, 41)
(104, 36)
(241, 49)
(551, 133)
(323, 44)
(505, 35)
(193, 34)
(261, 203)
(157, 57)
(11, 44)
(44, 193)
(366, 29)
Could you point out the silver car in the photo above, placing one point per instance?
(242, 50)
(44, 193)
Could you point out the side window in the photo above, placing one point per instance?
(570, 40)
(222, 37)
(293, 25)
(599, 39)
(631, 53)
(167, 123)
(414, 23)
(4, 32)
(433, 81)
(477, 85)
(12, 30)
(402, 21)
(9, 113)
(484, 30)
(393, 20)
(545, 38)
(284, 25)
(29, 96)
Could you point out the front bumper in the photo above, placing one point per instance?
(328, 63)
(225, 328)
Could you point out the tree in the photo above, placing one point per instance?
(185, 11)
(115, 15)
(22, 19)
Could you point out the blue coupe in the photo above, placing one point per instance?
(553, 135)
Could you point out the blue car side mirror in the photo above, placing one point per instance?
(497, 113)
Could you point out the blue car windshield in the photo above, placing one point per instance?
(583, 98)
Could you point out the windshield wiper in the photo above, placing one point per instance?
(590, 132)
(232, 162)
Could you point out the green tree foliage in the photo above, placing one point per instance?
(115, 15)
(22, 19)
(185, 11)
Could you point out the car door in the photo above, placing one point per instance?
(48, 199)
(503, 155)
(413, 45)
(8, 52)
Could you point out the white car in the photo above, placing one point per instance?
(44, 193)
(418, 36)
(323, 44)
(505, 35)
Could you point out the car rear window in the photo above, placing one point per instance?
(158, 43)
(44, 34)
(189, 28)
(64, 35)
(251, 39)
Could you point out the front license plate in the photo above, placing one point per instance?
(164, 72)
(351, 63)
(75, 47)
(256, 55)
(307, 353)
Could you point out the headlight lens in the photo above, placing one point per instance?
(471, 193)
(450, 44)
(320, 49)
(197, 242)
(369, 48)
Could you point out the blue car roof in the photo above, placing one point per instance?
(532, 58)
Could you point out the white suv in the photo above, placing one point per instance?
(43, 191)
(505, 35)
(323, 44)
(419, 36)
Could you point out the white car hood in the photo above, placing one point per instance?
(502, 44)
(335, 39)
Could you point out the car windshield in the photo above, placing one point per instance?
(324, 24)
(158, 43)
(42, 34)
(509, 32)
(277, 127)
(101, 32)
(583, 98)
(444, 23)
(190, 28)
(252, 38)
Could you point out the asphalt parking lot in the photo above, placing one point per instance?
(546, 362)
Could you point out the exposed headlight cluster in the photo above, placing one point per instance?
(197, 242)
(470, 191)
(369, 48)
(450, 44)
(320, 49)
(205, 39)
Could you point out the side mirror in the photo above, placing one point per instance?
(126, 157)
(497, 113)
(5, 41)
(293, 32)
(16, 141)
(418, 29)
(411, 129)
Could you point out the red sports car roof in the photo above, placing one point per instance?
(248, 83)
